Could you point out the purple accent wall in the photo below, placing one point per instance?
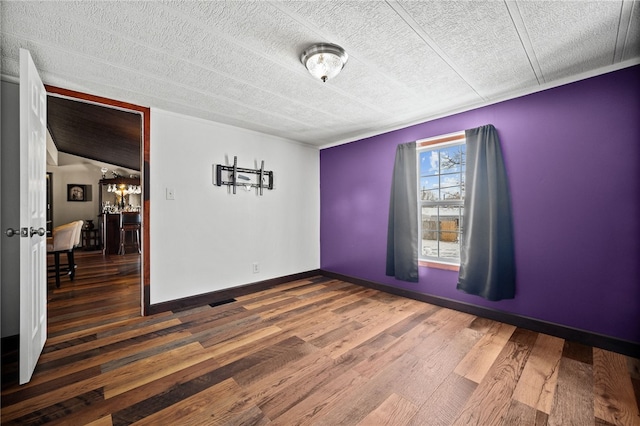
(573, 158)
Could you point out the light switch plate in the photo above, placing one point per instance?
(171, 194)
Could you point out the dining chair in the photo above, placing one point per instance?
(65, 238)
(129, 222)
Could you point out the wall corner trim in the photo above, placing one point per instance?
(609, 343)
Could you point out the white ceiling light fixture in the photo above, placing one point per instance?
(324, 60)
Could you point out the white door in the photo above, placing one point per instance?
(33, 240)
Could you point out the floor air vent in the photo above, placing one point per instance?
(222, 302)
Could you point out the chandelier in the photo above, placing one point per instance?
(123, 189)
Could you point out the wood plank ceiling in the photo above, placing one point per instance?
(108, 135)
(238, 62)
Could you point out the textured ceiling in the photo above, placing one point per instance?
(238, 62)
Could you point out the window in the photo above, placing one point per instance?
(441, 174)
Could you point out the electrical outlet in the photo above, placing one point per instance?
(256, 268)
(171, 194)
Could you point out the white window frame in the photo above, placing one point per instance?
(429, 144)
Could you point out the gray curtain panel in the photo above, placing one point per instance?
(487, 260)
(402, 235)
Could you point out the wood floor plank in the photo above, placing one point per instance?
(142, 400)
(96, 357)
(614, 394)
(633, 366)
(446, 402)
(522, 414)
(434, 368)
(490, 402)
(425, 339)
(88, 345)
(296, 304)
(267, 292)
(308, 309)
(104, 421)
(210, 333)
(481, 325)
(480, 359)
(358, 402)
(113, 382)
(186, 387)
(337, 333)
(58, 411)
(274, 299)
(392, 350)
(540, 375)
(263, 388)
(300, 291)
(578, 352)
(199, 409)
(302, 387)
(408, 375)
(573, 400)
(362, 335)
(283, 386)
(311, 325)
(114, 326)
(160, 345)
(278, 357)
(152, 368)
(220, 329)
(313, 401)
(251, 416)
(600, 422)
(395, 410)
(311, 351)
(379, 314)
(232, 350)
(411, 321)
(445, 322)
(81, 325)
(297, 385)
(28, 392)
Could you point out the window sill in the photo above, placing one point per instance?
(439, 265)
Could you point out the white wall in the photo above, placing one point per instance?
(67, 211)
(207, 238)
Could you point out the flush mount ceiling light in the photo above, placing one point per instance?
(324, 60)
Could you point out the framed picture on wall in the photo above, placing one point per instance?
(76, 192)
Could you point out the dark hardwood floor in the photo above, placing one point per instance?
(314, 351)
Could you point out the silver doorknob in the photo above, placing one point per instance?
(11, 232)
(39, 231)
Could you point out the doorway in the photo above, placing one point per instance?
(144, 138)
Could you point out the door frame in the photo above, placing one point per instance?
(146, 208)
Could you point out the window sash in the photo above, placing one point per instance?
(444, 239)
(432, 144)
